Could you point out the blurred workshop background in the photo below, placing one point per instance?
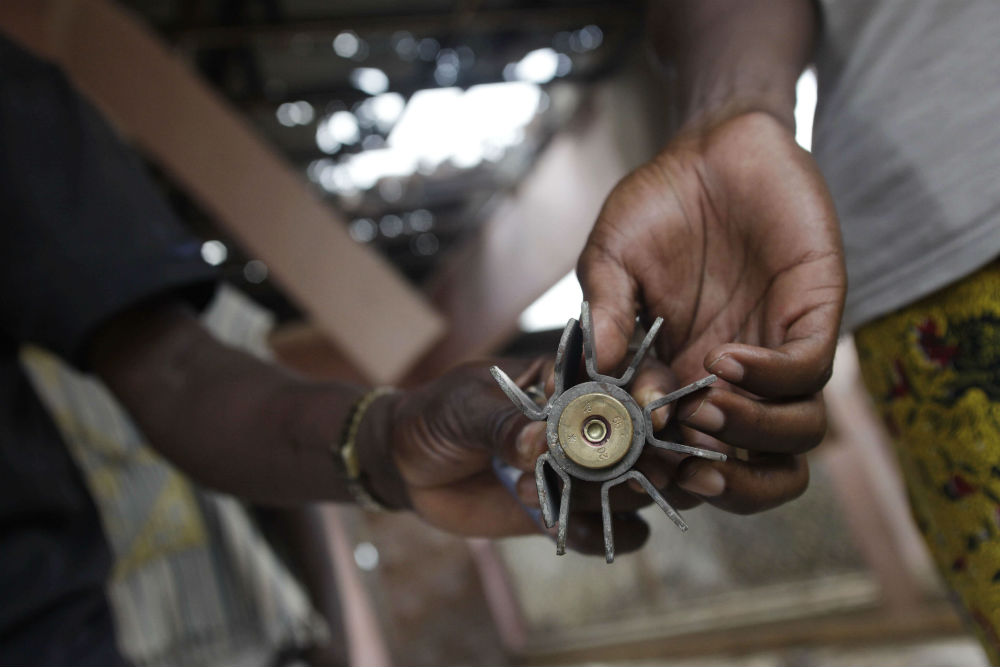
(448, 157)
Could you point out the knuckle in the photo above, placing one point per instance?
(763, 419)
(597, 252)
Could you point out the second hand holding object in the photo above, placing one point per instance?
(594, 429)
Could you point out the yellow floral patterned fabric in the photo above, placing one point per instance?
(933, 370)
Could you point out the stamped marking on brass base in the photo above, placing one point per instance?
(595, 430)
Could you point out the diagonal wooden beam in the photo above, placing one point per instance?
(351, 294)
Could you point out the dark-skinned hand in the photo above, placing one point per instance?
(730, 235)
(445, 434)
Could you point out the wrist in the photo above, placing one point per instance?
(375, 453)
(732, 57)
(716, 104)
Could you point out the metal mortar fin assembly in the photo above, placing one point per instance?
(595, 429)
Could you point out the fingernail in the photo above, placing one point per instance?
(707, 417)
(528, 439)
(660, 414)
(648, 395)
(704, 481)
(727, 368)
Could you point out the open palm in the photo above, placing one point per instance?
(729, 235)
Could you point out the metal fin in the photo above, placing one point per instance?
(686, 449)
(590, 349)
(658, 499)
(568, 357)
(563, 511)
(544, 492)
(680, 393)
(640, 354)
(609, 537)
(517, 395)
(647, 413)
(545, 500)
(609, 533)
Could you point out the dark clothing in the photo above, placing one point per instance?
(54, 561)
(83, 236)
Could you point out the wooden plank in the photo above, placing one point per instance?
(351, 294)
(303, 347)
(935, 618)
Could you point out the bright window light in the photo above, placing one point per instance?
(346, 44)
(538, 66)
(386, 109)
(336, 178)
(325, 140)
(444, 123)
(805, 108)
(363, 170)
(344, 127)
(554, 308)
(427, 120)
(366, 556)
(214, 252)
(586, 38)
(291, 114)
(370, 80)
(435, 126)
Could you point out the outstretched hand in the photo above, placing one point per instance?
(731, 236)
(444, 437)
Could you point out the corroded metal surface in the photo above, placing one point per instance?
(595, 429)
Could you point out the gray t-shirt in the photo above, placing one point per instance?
(907, 133)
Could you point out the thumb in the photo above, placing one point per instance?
(611, 292)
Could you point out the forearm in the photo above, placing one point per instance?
(733, 56)
(231, 421)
